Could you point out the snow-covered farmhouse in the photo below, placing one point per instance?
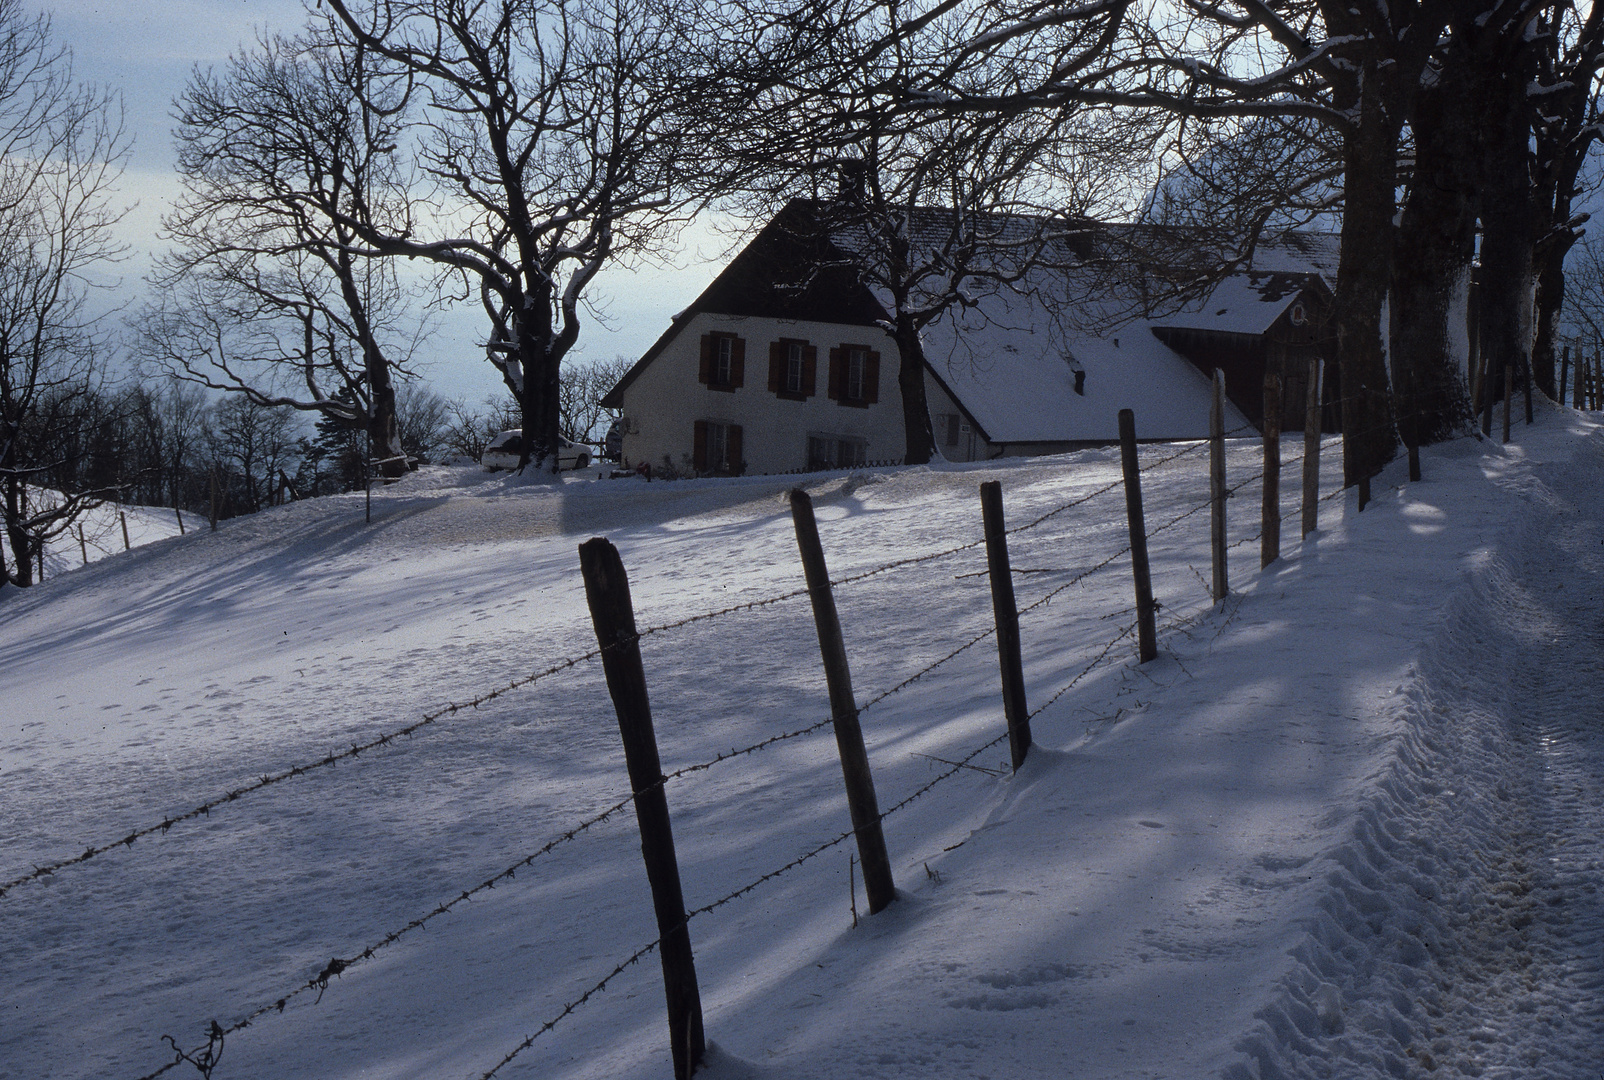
(782, 365)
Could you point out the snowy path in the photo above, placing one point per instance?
(1347, 826)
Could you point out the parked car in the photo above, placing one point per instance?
(505, 449)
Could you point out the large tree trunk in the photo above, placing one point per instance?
(1363, 278)
(1437, 231)
(1509, 227)
(1549, 304)
(920, 440)
(539, 398)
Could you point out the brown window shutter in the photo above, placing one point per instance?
(871, 378)
(732, 445)
(776, 366)
(838, 373)
(704, 373)
(738, 363)
(699, 445)
(810, 370)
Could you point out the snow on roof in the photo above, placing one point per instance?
(1009, 365)
(1242, 303)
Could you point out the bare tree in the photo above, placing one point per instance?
(928, 208)
(61, 154)
(583, 386)
(266, 292)
(554, 136)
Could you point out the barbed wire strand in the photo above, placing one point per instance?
(806, 856)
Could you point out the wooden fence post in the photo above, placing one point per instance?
(83, 548)
(861, 801)
(1270, 506)
(1311, 450)
(122, 517)
(180, 514)
(1006, 612)
(1146, 631)
(613, 614)
(1217, 492)
(1576, 378)
(1564, 372)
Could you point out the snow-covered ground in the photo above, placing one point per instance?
(1348, 824)
(99, 533)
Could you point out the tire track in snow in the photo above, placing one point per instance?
(1461, 931)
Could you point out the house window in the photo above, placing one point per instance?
(716, 449)
(836, 451)
(854, 375)
(723, 364)
(857, 360)
(792, 367)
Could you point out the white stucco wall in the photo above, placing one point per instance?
(664, 402)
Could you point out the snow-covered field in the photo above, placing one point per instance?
(1348, 824)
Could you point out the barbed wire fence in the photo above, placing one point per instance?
(205, 1058)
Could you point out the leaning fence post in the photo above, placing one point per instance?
(861, 801)
(1006, 612)
(1217, 492)
(1311, 450)
(1270, 508)
(1146, 632)
(613, 614)
(122, 517)
(180, 514)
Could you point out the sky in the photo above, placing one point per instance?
(147, 52)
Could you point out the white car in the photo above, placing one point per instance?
(504, 450)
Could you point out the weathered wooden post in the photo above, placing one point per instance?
(1576, 378)
(1146, 631)
(1311, 450)
(861, 801)
(613, 614)
(1006, 612)
(180, 514)
(1270, 506)
(1217, 492)
(1564, 372)
(83, 548)
(122, 517)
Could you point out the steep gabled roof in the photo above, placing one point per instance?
(789, 270)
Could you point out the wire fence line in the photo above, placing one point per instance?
(807, 856)
(337, 966)
(329, 760)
